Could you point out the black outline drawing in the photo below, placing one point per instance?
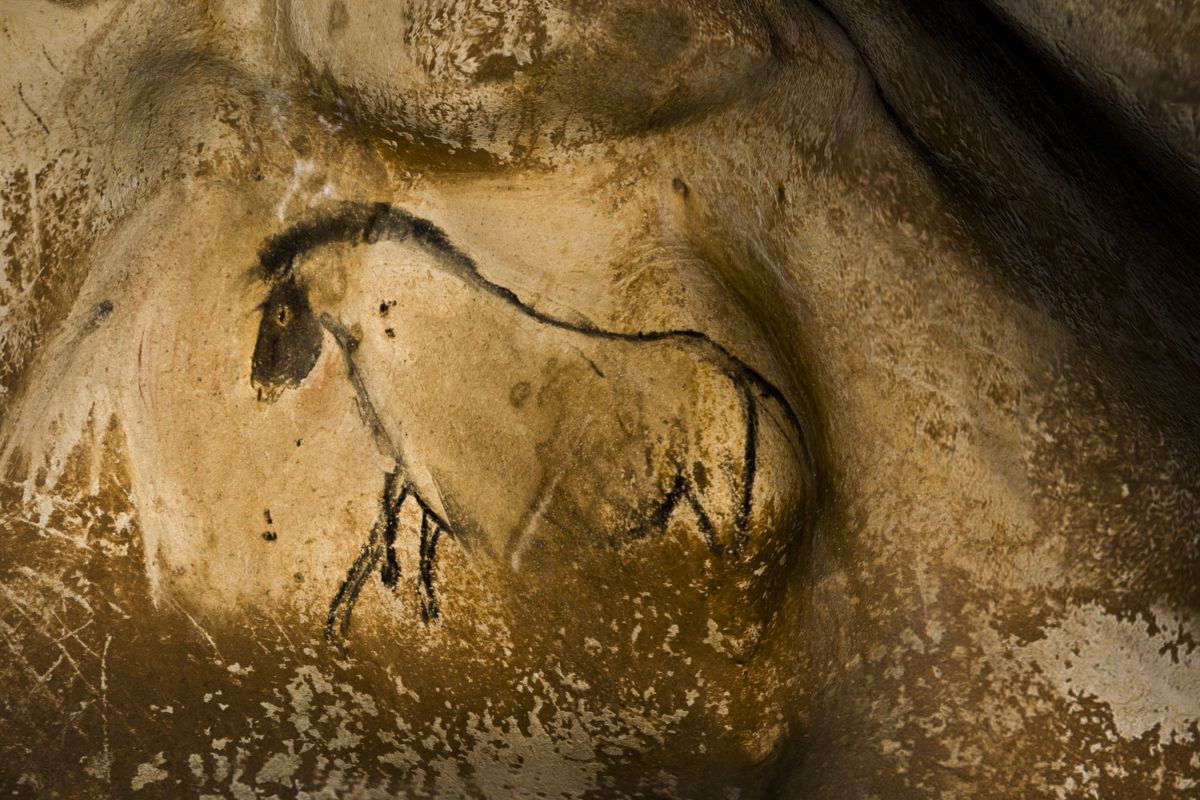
(289, 343)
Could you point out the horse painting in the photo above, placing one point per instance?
(503, 422)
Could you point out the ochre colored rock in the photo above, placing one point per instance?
(523, 398)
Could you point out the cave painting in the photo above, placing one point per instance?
(502, 421)
(959, 238)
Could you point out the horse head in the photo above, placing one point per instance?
(289, 341)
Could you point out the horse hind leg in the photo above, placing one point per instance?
(703, 521)
(430, 531)
(745, 500)
(717, 480)
(683, 489)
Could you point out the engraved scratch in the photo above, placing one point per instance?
(301, 169)
(107, 762)
(35, 230)
(200, 628)
(535, 518)
(543, 504)
(10, 633)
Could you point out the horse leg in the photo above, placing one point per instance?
(389, 573)
(337, 622)
(719, 484)
(682, 489)
(702, 519)
(430, 531)
(749, 463)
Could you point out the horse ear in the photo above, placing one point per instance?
(289, 341)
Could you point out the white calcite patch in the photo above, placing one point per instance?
(149, 773)
(1144, 678)
(279, 768)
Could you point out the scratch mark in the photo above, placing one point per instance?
(75, 666)
(301, 169)
(200, 628)
(45, 676)
(50, 60)
(69, 723)
(141, 382)
(35, 224)
(21, 607)
(590, 362)
(57, 586)
(104, 704)
(37, 116)
(284, 632)
(80, 541)
(75, 633)
(545, 495)
(71, 635)
(19, 655)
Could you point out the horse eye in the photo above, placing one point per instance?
(282, 315)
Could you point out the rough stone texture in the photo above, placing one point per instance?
(955, 238)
